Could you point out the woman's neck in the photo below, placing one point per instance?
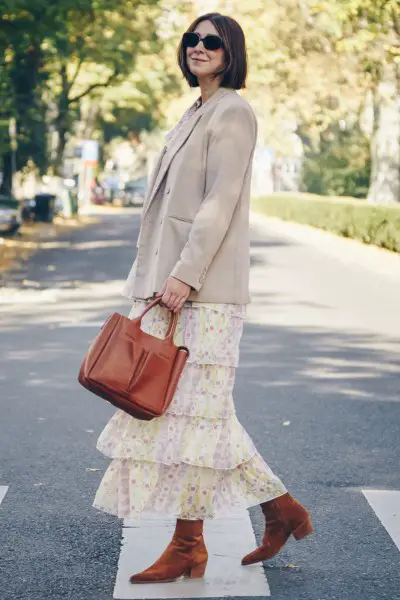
(208, 89)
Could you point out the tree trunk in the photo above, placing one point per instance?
(27, 80)
(62, 121)
(385, 140)
(61, 143)
(6, 184)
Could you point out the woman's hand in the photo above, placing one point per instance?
(174, 293)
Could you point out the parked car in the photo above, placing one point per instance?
(10, 215)
(134, 192)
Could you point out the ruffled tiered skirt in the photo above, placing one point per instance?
(196, 461)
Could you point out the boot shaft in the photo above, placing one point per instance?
(285, 510)
(188, 533)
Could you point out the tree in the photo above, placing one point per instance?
(22, 78)
(95, 48)
(295, 75)
(152, 97)
(316, 63)
(55, 54)
(341, 167)
(372, 29)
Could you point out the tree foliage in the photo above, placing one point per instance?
(317, 67)
(56, 54)
(341, 167)
(316, 64)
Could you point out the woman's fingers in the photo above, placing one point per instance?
(166, 299)
(175, 306)
(174, 294)
(176, 300)
(175, 303)
(180, 305)
(171, 301)
(181, 302)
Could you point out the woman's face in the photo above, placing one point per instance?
(201, 62)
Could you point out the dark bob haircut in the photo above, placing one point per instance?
(234, 73)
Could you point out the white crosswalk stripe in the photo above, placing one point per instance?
(386, 505)
(227, 541)
(3, 491)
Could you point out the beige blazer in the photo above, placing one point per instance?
(195, 219)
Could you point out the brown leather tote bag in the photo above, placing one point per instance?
(133, 370)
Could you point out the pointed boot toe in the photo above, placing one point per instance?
(148, 576)
(284, 516)
(253, 557)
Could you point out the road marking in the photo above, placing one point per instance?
(3, 491)
(227, 541)
(386, 505)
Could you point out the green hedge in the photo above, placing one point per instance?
(371, 224)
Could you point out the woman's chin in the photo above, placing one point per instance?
(200, 73)
(197, 68)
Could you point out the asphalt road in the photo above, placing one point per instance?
(317, 389)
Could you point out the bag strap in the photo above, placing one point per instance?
(172, 324)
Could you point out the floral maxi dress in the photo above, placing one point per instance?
(196, 461)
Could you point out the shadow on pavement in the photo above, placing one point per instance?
(106, 252)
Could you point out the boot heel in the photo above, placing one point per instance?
(303, 530)
(198, 571)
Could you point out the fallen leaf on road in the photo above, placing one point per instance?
(51, 268)
(290, 566)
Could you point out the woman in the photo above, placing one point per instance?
(197, 461)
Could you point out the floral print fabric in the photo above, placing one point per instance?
(171, 439)
(131, 489)
(196, 461)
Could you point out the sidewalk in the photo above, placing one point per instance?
(15, 250)
(349, 251)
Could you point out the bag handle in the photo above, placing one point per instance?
(172, 324)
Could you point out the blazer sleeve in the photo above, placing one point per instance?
(231, 146)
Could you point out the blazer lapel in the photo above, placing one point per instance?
(153, 177)
(165, 158)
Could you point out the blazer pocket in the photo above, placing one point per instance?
(184, 219)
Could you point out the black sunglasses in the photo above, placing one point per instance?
(190, 39)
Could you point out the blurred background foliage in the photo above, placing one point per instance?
(324, 81)
(341, 166)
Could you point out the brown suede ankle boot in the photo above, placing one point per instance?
(284, 516)
(186, 555)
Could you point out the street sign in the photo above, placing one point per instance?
(90, 151)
